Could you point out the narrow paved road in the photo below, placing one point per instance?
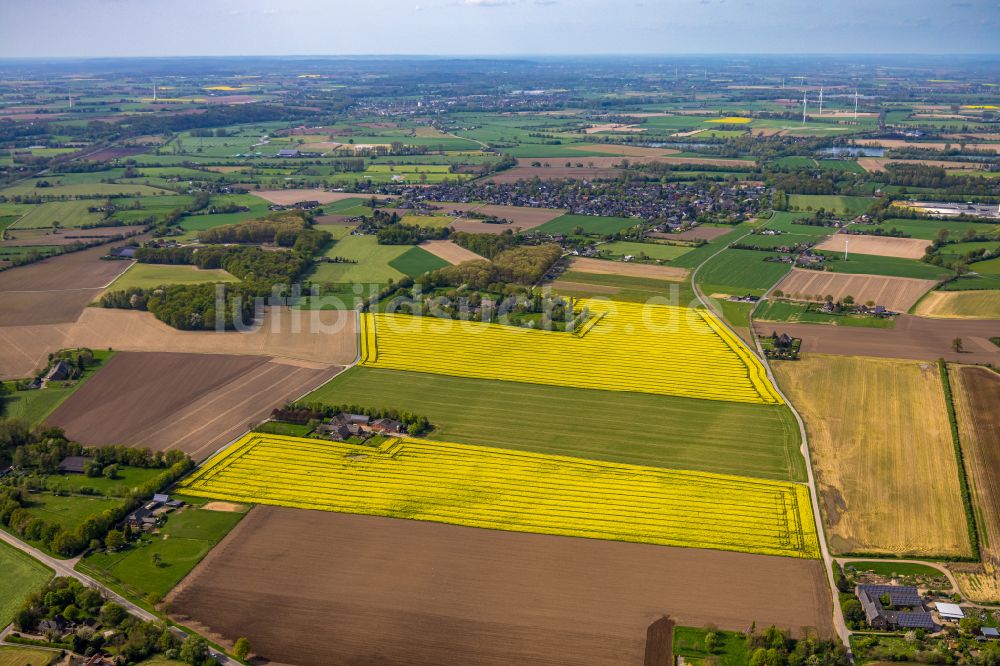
(65, 568)
(838, 617)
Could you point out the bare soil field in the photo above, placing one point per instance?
(289, 197)
(519, 216)
(25, 237)
(912, 337)
(897, 294)
(875, 457)
(978, 304)
(193, 402)
(552, 173)
(976, 394)
(605, 267)
(312, 336)
(924, 145)
(226, 169)
(453, 254)
(613, 127)
(883, 246)
(698, 233)
(624, 151)
(55, 290)
(413, 593)
(594, 162)
(878, 163)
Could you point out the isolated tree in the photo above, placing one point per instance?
(111, 471)
(848, 300)
(241, 648)
(115, 540)
(194, 650)
(956, 344)
(712, 641)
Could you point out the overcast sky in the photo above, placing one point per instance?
(38, 28)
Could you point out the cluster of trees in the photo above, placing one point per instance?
(919, 175)
(305, 412)
(487, 245)
(774, 647)
(188, 307)
(520, 265)
(390, 230)
(960, 262)
(131, 638)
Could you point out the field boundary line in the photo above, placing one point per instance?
(963, 479)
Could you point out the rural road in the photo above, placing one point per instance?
(65, 568)
(933, 565)
(838, 617)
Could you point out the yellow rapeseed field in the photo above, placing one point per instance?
(730, 120)
(517, 491)
(658, 349)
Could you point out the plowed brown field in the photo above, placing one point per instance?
(192, 402)
(605, 267)
(977, 404)
(882, 453)
(447, 250)
(293, 196)
(896, 293)
(412, 593)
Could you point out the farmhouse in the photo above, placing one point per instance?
(288, 152)
(74, 464)
(148, 515)
(889, 607)
(59, 371)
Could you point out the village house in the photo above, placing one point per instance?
(74, 464)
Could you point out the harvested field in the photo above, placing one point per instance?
(605, 267)
(519, 216)
(57, 289)
(613, 127)
(881, 447)
(979, 304)
(289, 197)
(589, 162)
(447, 250)
(878, 163)
(327, 337)
(883, 246)
(897, 294)
(552, 173)
(405, 592)
(976, 394)
(193, 402)
(698, 233)
(912, 337)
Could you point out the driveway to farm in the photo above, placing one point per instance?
(66, 569)
(881, 560)
(838, 617)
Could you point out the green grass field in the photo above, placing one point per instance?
(28, 189)
(128, 477)
(592, 224)
(700, 254)
(785, 311)
(68, 511)
(739, 272)
(889, 568)
(34, 406)
(838, 204)
(660, 251)
(69, 214)
(417, 261)
(149, 276)
(22, 575)
(870, 264)
(725, 437)
(373, 261)
(689, 642)
(183, 541)
(928, 229)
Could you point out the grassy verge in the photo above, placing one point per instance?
(963, 479)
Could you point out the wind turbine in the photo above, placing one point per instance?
(855, 103)
(154, 90)
(821, 100)
(805, 102)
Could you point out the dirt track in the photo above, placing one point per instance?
(897, 294)
(883, 246)
(192, 402)
(327, 337)
(405, 592)
(913, 337)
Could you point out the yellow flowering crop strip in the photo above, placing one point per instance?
(659, 349)
(517, 491)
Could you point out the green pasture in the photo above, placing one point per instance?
(661, 251)
(22, 575)
(591, 224)
(150, 276)
(705, 435)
